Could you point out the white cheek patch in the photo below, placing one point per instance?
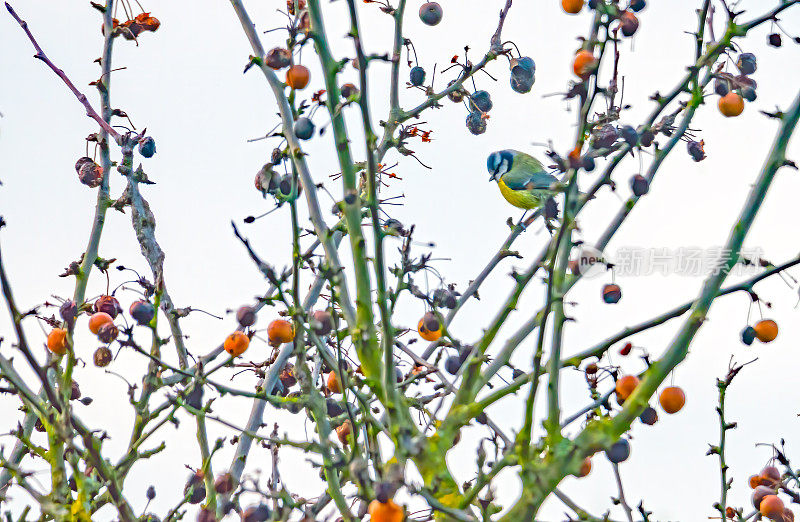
(503, 168)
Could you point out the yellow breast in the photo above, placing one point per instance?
(519, 198)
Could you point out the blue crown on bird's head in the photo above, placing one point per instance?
(498, 163)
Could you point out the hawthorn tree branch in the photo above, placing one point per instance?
(78, 94)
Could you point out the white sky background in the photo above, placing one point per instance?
(185, 84)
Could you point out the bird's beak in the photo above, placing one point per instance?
(493, 176)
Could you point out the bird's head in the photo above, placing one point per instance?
(499, 163)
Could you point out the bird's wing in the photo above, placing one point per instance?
(526, 162)
(526, 180)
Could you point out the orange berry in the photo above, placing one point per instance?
(429, 327)
(343, 431)
(625, 386)
(672, 399)
(280, 331)
(731, 104)
(236, 343)
(766, 330)
(757, 480)
(97, 320)
(385, 511)
(57, 341)
(586, 467)
(334, 384)
(585, 63)
(297, 76)
(572, 6)
(771, 507)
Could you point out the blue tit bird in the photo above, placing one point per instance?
(521, 178)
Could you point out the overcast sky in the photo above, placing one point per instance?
(185, 84)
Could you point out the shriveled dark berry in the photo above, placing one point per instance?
(207, 515)
(108, 333)
(452, 364)
(431, 322)
(151, 493)
(417, 76)
(774, 40)
(628, 23)
(142, 311)
(748, 335)
(637, 5)
(587, 162)
(102, 357)
(749, 94)
(68, 312)
(224, 483)
(246, 316)
(722, 86)
(639, 185)
(287, 376)
(321, 322)
(746, 63)
(259, 513)
(91, 174)
(349, 90)
(619, 451)
(476, 123)
(430, 13)
(304, 128)
(75, 391)
(334, 407)
(695, 149)
(480, 101)
(197, 487)
(384, 492)
(285, 186)
(108, 304)
(649, 416)
(523, 74)
(444, 297)
(278, 58)
(147, 147)
(605, 137)
(81, 162)
(521, 84)
(646, 138)
(612, 293)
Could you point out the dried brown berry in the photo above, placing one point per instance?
(108, 304)
(321, 322)
(108, 333)
(278, 58)
(224, 483)
(91, 174)
(75, 391)
(102, 357)
(246, 316)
